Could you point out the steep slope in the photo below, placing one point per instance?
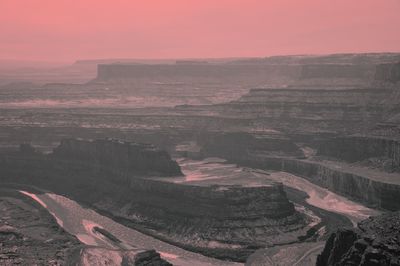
(376, 241)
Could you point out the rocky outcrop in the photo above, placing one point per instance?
(222, 221)
(145, 258)
(388, 72)
(376, 241)
(214, 213)
(121, 156)
(103, 257)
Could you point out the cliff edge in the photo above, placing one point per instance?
(376, 241)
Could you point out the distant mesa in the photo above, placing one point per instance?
(190, 62)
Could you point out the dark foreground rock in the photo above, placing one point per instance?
(376, 241)
(29, 235)
(102, 256)
(149, 257)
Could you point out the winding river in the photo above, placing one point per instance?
(80, 221)
(322, 197)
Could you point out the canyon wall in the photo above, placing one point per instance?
(359, 148)
(378, 192)
(128, 157)
(375, 242)
(224, 216)
(311, 109)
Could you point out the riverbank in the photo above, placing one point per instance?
(376, 189)
(323, 219)
(30, 235)
(78, 221)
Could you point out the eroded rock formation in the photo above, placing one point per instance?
(376, 242)
(103, 256)
(122, 156)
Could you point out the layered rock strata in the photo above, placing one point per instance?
(381, 153)
(122, 156)
(374, 188)
(312, 109)
(376, 242)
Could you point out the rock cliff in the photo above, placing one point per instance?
(381, 190)
(376, 241)
(381, 153)
(103, 257)
(122, 156)
(221, 214)
(311, 109)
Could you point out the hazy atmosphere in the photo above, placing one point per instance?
(64, 30)
(200, 133)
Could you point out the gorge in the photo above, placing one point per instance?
(306, 146)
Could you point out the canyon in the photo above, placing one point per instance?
(276, 122)
(225, 220)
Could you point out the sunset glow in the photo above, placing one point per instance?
(65, 30)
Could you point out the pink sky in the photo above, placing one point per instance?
(66, 30)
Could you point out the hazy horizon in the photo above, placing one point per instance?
(65, 31)
(187, 58)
